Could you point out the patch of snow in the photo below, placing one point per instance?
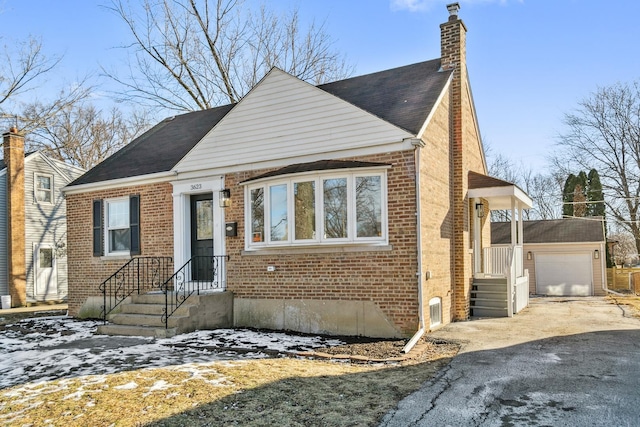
(128, 386)
(43, 349)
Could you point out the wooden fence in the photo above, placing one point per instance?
(624, 279)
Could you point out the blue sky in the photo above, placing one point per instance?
(530, 61)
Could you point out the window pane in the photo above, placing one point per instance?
(305, 210)
(43, 188)
(46, 257)
(257, 215)
(204, 219)
(118, 214)
(368, 206)
(278, 203)
(119, 240)
(335, 208)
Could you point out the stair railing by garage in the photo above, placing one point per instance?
(138, 276)
(199, 274)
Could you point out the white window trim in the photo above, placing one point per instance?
(319, 241)
(35, 188)
(106, 228)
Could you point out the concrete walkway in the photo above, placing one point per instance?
(34, 309)
(562, 361)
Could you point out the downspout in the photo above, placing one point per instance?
(603, 265)
(418, 143)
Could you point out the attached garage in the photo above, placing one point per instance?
(564, 257)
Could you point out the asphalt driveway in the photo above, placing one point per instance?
(560, 362)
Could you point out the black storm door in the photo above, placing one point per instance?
(202, 237)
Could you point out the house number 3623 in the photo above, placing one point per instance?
(196, 186)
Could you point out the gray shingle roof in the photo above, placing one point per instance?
(402, 96)
(158, 149)
(551, 231)
(319, 165)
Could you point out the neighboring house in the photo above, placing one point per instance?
(354, 207)
(33, 263)
(564, 256)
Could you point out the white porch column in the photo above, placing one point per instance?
(513, 222)
(477, 236)
(520, 225)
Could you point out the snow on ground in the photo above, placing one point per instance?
(44, 349)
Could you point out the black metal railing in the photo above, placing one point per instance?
(139, 275)
(200, 273)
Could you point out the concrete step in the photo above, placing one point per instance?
(149, 298)
(153, 309)
(138, 331)
(137, 319)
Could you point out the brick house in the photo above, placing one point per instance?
(33, 263)
(343, 208)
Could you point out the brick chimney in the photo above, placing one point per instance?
(13, 144)
(453, 58)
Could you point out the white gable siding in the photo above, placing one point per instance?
(4, 280)
(283, 117)
(45, 223)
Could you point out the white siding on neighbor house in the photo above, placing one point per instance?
(4, 281)
(284, 118)
(45, 223)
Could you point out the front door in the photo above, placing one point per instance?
(46, 282)
(202, 237)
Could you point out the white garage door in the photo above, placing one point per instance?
(564, 274)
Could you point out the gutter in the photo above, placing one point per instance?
(418, 143)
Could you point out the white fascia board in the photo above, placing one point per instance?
(426, 123)
(501, 192)
(363, 169)
(119, 183)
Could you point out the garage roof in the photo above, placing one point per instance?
(552, 231)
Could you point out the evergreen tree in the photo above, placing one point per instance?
(595, 195)
(567, 195)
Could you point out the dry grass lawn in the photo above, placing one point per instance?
(282, 391)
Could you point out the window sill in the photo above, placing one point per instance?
(315, 250)
(115, 257)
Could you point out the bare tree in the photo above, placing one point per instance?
(195, 54)
(84, 135)
(544, 189)
(603, 133)
(24, 68)
(21, 68)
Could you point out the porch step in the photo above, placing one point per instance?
(142, 315)
(488, 303)
(483, 311)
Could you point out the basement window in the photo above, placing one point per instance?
(435, 311)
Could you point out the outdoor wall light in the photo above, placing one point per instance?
(596, 254)
(480, 210)
(529, 255)
(225, 198)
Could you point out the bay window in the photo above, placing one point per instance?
(327, 208)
